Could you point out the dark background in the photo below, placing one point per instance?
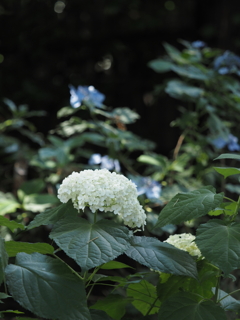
(46, 45)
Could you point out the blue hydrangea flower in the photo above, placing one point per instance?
(95, 158)
(84, 93)
(105, 162)
(148, 186)
(198, 44)
(228, 62)
(231, 142)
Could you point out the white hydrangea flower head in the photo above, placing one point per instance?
(186, 242)
(105, 191)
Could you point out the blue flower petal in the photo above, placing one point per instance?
(148, 186)
(233, 143)
(198, 44)
(85, 93)
(219, 143)
(117, 165)
(95, 159)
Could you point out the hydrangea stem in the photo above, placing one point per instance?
(73, 271)
(95, 217)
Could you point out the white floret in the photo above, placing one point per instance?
(186, 242)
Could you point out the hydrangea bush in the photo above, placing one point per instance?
(204, 82)
(110, 250)
(190, 268)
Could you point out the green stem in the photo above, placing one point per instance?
(217, 287)
(73, 271)
(150, 309)
(229, 199)
(236, 209)
(95, 217)
(228, 295)
(91, 276)
(5, 287)
(89, 292)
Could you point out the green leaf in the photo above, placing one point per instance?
(14, 247)
(114, 305)
(3, 260)
(190, 71)
(8, 206)
(74, 142)
(226, 172)
(161, 256)
(228, 303)
(174, 53)
(25, 318)
(53, 215)
(207, 279)
(219, 243)
(32, 186)
(160, 65)
(99, 315)
(47, 287)
(90, 245)
(125, 115)
(228, 156)
(186, 306)
(233, 188)
(144, 296)
(14, 311)
(153, 161)
(11, 224)
(114, 265)
(4, 295)
(187, 206)
(170, 287)
(66, 111)
(180, 90)
(39, 202)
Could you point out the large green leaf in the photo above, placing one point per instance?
(226, 172)
(47, 287)
(187, 206)
(207, 279)
(219, 243)
(90, 245)
(186, 306)
(99, 315)
(181, 90)
(11, 224)
(3, 260)
(53, 215)
(228, 156)
(144, 296)
(161, 256)
(14, 247)
(114, 305)
(25, 318)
